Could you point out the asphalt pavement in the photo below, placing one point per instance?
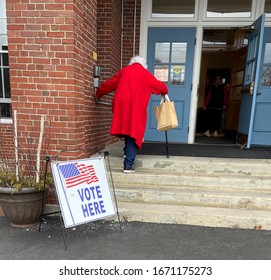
(111, 240)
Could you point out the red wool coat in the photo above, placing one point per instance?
(133, 86)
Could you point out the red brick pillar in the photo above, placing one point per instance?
(51, 43)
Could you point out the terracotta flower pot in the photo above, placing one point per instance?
(22, 208)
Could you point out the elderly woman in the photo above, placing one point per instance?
(133, 86)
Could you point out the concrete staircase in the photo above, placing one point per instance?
(216, 192)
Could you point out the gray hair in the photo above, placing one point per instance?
(138, 59)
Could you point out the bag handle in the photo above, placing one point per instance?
(164, 98)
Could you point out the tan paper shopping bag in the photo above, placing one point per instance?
(166, 114)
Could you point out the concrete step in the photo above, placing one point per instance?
(155, 178)
(208, 199)
(219, 192)
(228, 166)
(187, 196)
(193, 215)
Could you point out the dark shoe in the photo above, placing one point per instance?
(128, 169)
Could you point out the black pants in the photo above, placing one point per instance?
(214, 119)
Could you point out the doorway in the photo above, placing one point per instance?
(223, 54)
(170, 58)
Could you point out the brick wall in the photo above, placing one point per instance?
(115, 48)
(6, 143)
(109, 25)
(132, 9)
(109, 53)
(50, 57)
(51, 45)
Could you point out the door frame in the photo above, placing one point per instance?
(199, 22)
(195, 75)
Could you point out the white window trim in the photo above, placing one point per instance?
(6, 121)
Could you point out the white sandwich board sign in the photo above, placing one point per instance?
(83, 191)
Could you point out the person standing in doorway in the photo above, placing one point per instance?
(133, 86)
(215, 103)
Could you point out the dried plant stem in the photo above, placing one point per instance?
(39, 148)
(16, 147)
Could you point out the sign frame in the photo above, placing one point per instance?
(83, 191)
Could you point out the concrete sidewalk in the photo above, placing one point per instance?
(103, 240)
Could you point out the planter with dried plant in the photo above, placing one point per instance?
(23, 184)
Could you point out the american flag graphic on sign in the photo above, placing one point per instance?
(76, 174)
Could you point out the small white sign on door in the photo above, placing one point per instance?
(83, 191)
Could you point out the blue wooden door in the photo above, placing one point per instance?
(261, 133)
(170, 58)
(251, 82)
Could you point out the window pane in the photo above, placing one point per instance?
(252, 48)
(162, 52)
(161, 72)
(1, 86)
(267, 7)
(5, 59)
(3, 9)
(266, 76)
(7, 83)
(178, 52)
(218, 37)
(229, 8)
(5, 109)
(177, 74)
(267, 54)
(173, 8)
(3, 17)
(3, 26)
(249, 77)
(3, 40)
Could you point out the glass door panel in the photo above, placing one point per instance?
(266, 75)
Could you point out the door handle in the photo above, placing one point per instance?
(251, 87)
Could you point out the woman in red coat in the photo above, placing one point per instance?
(133, 86)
